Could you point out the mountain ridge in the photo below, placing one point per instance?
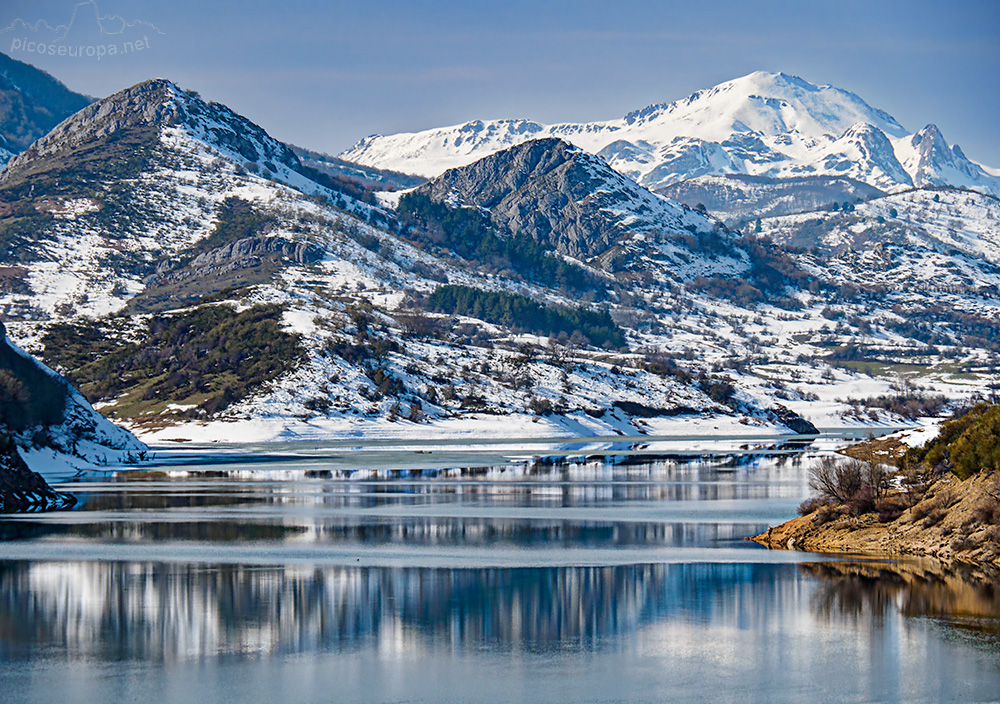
(763, 124)
(32, 102)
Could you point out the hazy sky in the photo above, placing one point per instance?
(325, 74)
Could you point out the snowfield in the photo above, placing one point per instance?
(763, 124)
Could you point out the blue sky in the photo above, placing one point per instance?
(325, 74)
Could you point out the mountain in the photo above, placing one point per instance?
(573, 202)
(377, 179)
(927, 239)
(196, 280)
(31, 103)
(740, 199)
(280, 299)
(112, 193)
(761, 125)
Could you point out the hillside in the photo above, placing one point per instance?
(574, 203)
(48, 426)
(31, 103)
(948, 508)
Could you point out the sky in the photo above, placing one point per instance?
(323, 75)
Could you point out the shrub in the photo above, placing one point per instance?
(890, 508)
(812, 505)
(852, 483)
(934, 517)
(836, 481)
(967, 444)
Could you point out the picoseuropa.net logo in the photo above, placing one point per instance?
(87, 35)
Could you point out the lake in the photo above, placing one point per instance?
(436, 572)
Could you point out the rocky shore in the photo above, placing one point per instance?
(956, 521)
(23, 491)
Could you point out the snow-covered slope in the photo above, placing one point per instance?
(918, 241)
(54, 426)
(764, 124)
(122, 186)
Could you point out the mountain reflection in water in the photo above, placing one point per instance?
(122, 610)
(159, 610)
(594, 582)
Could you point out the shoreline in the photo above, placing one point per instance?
(943, 526)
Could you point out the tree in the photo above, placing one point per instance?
(836, 481)
(855, 483)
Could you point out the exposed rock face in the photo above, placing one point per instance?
(543, 187)
(156, 104)
(249, 260)
(792, 420)
(253, 247)
(22, 490)
(563, 197)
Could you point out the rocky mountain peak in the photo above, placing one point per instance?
(150, 107)
(564, 197)
(934, 163)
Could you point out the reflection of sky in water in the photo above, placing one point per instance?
(607, 583)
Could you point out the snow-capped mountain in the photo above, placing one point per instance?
(197, 281)
(154, 201)
(763, 124)
(159, 109)
(122, 186)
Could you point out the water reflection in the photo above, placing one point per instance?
(600, 583)
(143, 610)
(962, 595)
(166, 611)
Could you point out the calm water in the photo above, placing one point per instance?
(290, 581)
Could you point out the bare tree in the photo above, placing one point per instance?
(836, 480)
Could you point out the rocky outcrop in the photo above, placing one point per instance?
(563, 197)
(24, 491)
(253, 247)
(247, 261)
(791, 420)
(955, 521)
